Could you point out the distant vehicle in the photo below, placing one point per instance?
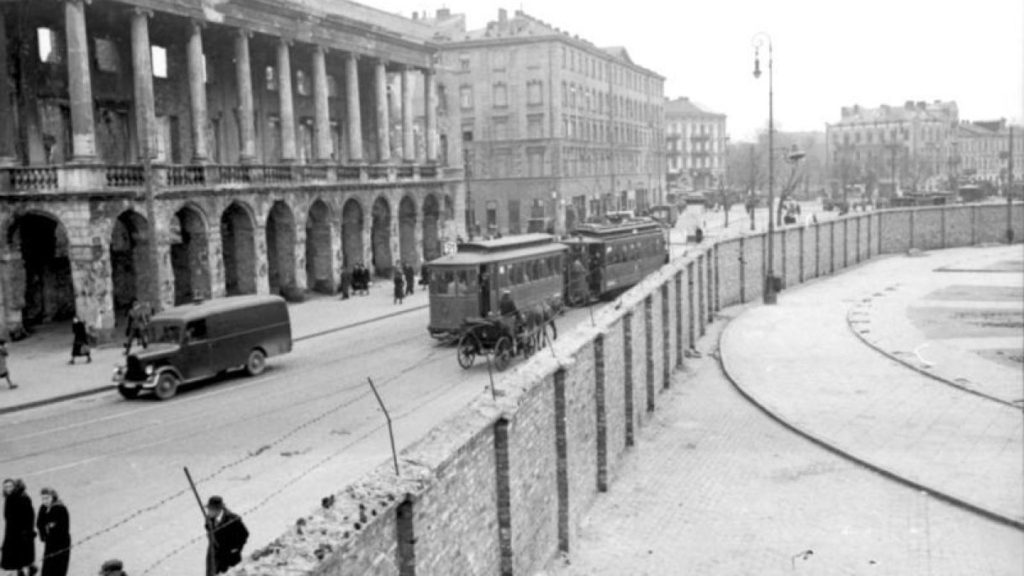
(667, 214)
(695, 198)
(193, 342)
(617, 256)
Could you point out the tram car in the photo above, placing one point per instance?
(615, 257)
(468, 283)
(541, 274)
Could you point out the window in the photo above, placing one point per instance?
(159, 55)
(514, 226)
(492, 216)
(498, 59)
(301, 83)
(500, 95)
(466, 97)
(535, 126)
(195, 331)
(534, 92)
(464, 62)
(49, 45)
(271, 79)
(107, 58)
(500, 128)
(535, 160)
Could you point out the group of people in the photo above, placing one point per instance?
(227, 535)
(356, 281)
(21, 526)
(404, 278)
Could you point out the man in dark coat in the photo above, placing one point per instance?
(410, 278)
(346, 282)
(228, 536)
(19, 548)
(138, 325)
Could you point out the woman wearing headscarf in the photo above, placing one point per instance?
(54, 530)
(19, 548)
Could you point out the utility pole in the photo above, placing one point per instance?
(1009, 192)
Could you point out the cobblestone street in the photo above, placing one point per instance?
(716, 487)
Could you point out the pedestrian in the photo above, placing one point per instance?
(19, 548)
(54, 531)
(360, 279)
(4, 373)
(228, 536)
(410, 278)
(346, 282)
(138, 324)
(399, 285)
(80, 343)
(424, 276)
(112, 567)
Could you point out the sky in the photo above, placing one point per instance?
(827, 54)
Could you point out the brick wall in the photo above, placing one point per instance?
(500, 487)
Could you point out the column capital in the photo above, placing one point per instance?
(320, 48)
(285, 41)
(353, 56)
(139, 11)
(244, 33)
(86, 2)
(196, 25)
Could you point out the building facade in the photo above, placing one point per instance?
(170, 150)
(982, 148)
(893, 149)
(555, 130)
(695, 145)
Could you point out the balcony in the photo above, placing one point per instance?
(91, 178)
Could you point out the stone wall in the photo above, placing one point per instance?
(500, 487)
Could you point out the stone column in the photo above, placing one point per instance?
(383, 121)
(287, 109)
(430, 98)
(90, 274)
(142, 77)
(197, 95)
(245, 105)
(355, 122)
(215, 249)
(8, 155)
(83, 127)
(408, 141)
(321, 111)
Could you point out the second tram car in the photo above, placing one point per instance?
(615, 257)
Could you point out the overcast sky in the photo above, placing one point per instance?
(828, 54)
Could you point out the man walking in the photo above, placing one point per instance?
(410, 278)
(228, 536)
(346, 282)
(138, 324)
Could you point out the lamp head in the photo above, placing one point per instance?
(757, 63)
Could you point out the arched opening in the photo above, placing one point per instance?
(190, 256)
(131, 271)
(431, 240)
(380, 237)
(319, 275)
(280, 247)
(239, 250)
(352, 233)
(407, 231)
(38, 270)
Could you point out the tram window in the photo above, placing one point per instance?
(528, 272)
(515, 273)
(503, 274)
(462, 282)
(543, 270)
(443, 282)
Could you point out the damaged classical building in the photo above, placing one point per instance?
(175, 150)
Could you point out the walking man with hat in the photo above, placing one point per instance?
(228, 535)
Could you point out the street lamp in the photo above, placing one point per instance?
(769, 276)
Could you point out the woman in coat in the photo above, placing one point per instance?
(19, 548)
(54, 530)
(399, 280)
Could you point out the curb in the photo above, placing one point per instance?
(836, 449)
(109, 387)
(919, 370)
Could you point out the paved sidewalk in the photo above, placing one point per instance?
(715, 487)
(39, 364)
(801, 362)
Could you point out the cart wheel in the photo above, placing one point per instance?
(468, 347)
(503, 353)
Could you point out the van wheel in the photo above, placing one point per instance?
(166, 386)
(256, 363)
(128, 393)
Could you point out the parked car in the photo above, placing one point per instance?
(196, 341)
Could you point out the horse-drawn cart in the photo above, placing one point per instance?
(498, 338)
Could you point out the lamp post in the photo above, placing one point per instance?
(769, 275)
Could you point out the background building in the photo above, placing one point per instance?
(267, 128)
(695, 145)
(554, 129)
(981, 151)
(911, 144)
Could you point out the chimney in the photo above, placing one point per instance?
(502, 15)
(443, 13)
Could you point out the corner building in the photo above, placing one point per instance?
(267, 129)
(555, 130)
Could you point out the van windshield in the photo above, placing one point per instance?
(166, 332)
